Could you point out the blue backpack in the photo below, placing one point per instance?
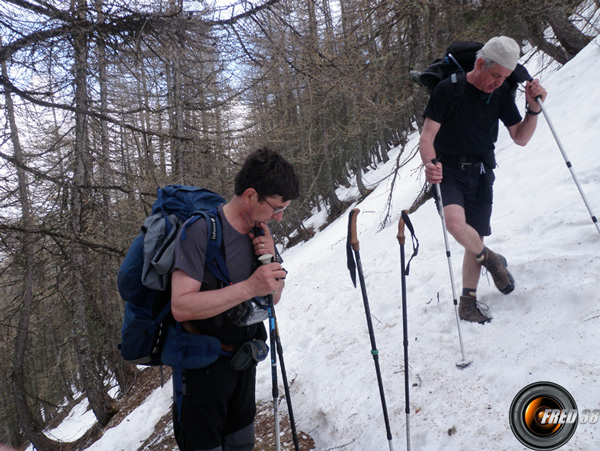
(150, 335)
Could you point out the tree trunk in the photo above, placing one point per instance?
(81, 219)
(553, 51)
(176, 95)
(111, 320)
(362, 189)
(569, 36)
(29, 423)
(335, 206)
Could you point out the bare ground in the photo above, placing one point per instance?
(162, 439)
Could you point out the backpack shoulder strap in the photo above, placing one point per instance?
(459, 83)
(214, 259)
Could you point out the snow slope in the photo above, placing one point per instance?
(548, 329)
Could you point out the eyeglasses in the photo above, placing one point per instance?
(276, 210)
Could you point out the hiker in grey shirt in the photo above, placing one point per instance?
(218, 405)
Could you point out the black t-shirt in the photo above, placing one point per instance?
(471, 126)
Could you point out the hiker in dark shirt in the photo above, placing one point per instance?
(218, 406)
(463, 141)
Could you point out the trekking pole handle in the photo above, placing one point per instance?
(538, 98)
(265, 259)
(353, 237)
(401, 236)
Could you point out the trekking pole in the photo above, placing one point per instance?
(265, 259)
(353, 243)
(568, 163)
(401, 239)
(464, 362)
(286, 388)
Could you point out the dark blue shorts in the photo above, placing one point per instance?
(472, 189)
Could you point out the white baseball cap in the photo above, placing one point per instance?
(503, 51)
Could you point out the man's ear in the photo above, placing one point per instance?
(250, 195)
(479, 63)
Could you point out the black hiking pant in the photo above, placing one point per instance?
(218, 409)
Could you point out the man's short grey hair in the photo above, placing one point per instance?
(487, 63)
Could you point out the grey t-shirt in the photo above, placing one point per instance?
(189, 256)
(190, 253)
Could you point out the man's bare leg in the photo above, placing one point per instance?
(471, 270)
(462, 232)
(470, 239)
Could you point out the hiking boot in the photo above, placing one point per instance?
(496, 265)
(470, 310)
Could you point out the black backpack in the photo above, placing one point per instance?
(459, 58)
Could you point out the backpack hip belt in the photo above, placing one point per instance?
(190, 328)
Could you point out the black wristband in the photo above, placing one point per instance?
(532, 113)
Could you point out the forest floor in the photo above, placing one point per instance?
(162, 439)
